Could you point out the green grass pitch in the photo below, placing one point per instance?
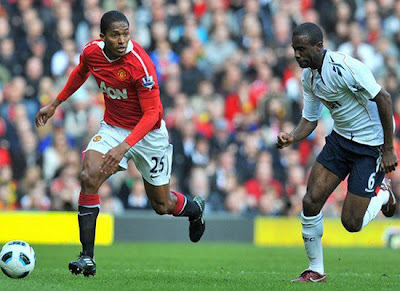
(208, 266)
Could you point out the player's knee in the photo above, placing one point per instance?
(351, 224)
(311, 205)
(160, 207)
(87, 180)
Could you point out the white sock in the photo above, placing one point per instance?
(312, 233)
(375, 206)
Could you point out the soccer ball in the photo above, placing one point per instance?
(17, 259)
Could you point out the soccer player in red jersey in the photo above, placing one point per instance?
(132, 129)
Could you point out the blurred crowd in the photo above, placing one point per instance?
(229, 84)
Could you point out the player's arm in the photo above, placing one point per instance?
(302, 130)
(311, 113)
(360, 80)
(384, 103)
(77, 77)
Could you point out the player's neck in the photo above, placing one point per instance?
(109, 54)
(320, 61)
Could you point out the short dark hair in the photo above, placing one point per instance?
(110, 17)
(311, 30)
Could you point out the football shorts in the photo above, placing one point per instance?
(152, 155)
(361, 162)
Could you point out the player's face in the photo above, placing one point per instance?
(116, 39)
(305, 53)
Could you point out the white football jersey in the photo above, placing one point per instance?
(346, 87)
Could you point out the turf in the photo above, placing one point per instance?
(206, 266)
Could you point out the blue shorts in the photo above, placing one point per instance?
(363, 162)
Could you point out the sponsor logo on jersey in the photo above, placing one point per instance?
(148, 82)
(97, 138)
(122, 74)
(113, 93)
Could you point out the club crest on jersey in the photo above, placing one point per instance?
(121, 74)
(148, 82)
(97, 138)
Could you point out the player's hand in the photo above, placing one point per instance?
(45, 114)
(113, 157)
(284, 140)
(389, 161)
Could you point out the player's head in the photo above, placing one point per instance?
(307, 42)
(114, 31)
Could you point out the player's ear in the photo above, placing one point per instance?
(319, 46)
(102, 36)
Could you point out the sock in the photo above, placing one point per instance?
(312, 233)
(87, 217)
(185, 207)
(375, 205)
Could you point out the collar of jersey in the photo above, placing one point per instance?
(129, 48)
(323, 59)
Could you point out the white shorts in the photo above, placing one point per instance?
(152, 154)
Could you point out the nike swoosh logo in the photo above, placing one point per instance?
(83, 214)
(154, 176)
(96, 69)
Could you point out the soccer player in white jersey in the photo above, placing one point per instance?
(360, 145)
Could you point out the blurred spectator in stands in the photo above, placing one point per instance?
(237, 201)
(54, 156)
(221, 138)
(109, 203)
(33, 71)
(163, 57)
(219, 49)
(295, 187)
(263, 180)
(271, 203)
(64, 57)
(32, 175)
(77, 117)
(36, 198)
(391, 25)
(8, 189)
(64, 189)
(137, 198)
(225, 171)
(15, 94)
(357, 48)
(9, 59)
(191, 75)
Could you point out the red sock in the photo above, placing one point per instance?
(180, 204)
(88, 199)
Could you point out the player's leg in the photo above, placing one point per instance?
(89, 207)
(89, 201)
(165, 201)
(329, 170)
(320, 185)
(368, 191)
(153, 158)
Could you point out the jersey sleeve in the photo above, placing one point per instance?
(77, 77)
(149, 97)
(360, 80)
(312, 107)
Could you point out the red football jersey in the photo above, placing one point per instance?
(124, 82)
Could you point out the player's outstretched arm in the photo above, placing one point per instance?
(46, 113)
(303, 129)
(384, 104)
(78, 76)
